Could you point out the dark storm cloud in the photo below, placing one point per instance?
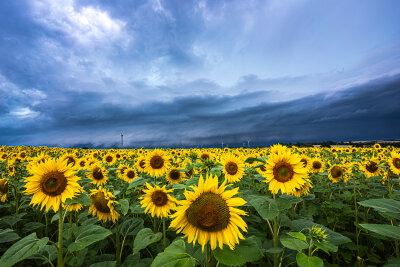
(362, 112)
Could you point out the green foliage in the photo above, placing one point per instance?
(248, 250)
(23, 249)
(174, 255)
(144, 238)
(87, 235)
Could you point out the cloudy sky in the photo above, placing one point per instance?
(198, 72)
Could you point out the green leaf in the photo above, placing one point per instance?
(87, 235)
(304, 261)
(283, 204)
(23, 249)
(326, 247)
(132, 226)
(12, 219)
(124, 206)
(333, 237)
(383, 229)
(294, 244)
(144, 238)
(174, 255)
(81, 199)
(8, 235)
(298, 235)
(251, 160)
(47, 254)
(32, 226)
(382, 204)
(247, 251)
(104, 264)
(266, 207)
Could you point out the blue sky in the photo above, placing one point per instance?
(198, 72)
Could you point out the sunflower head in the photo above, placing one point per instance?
(317, 234)
(317, 165)
(208, 215)
(285, 172)
(394, 163)
(109, 159)
(157, 201)
(157, 162)
(129, 175)
(3, 189)
(98, 174)
(174, 176)
(371, 168)
(52, 183)
(103, 205)
(233, 168)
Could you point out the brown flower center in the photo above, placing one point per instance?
(100, 202)
(82, 163)
(209, 212)
(3, 186)
(109, 159)
(372, 167)
(304, 161)
(53, 183)
(396, 163)
(159, 198)
(174, 175)
(22, 154)
(156, 162)
(131, 174)
(283, 172)
(317, 165)
(336, 172)
(205, 156)
(98, 174)
(263, 169)
(142, 163)
(231, 168)
(71, 160)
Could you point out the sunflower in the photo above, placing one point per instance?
(82, 163)
(377, 146)
(394, 163)
(337, 172)
(73, 207)
(371, 168)
(174, 176)
(304, 190)
(208, 214)
(122, 168)
(109, 159)
(129, 175)
(103, 205)
(317, 165)
(51, 183)
(157, 163)
(278, 148)
(98, 174)
(141, 164)
(306, 161)
(22, 155)
(157, 201)
(3, 156)
(70, 159)
(3, 189)
(11, 168)
(285, 172)
(233, 168)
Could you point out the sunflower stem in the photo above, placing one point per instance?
(155, 224)
(60, 262)
(275, 237)
(164, 239)
(117, 243)
(208, 256)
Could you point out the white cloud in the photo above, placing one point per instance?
(24, 113)
(86, 25)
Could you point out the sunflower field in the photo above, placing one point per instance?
(276, 206)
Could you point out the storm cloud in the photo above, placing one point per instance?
(197, 72)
